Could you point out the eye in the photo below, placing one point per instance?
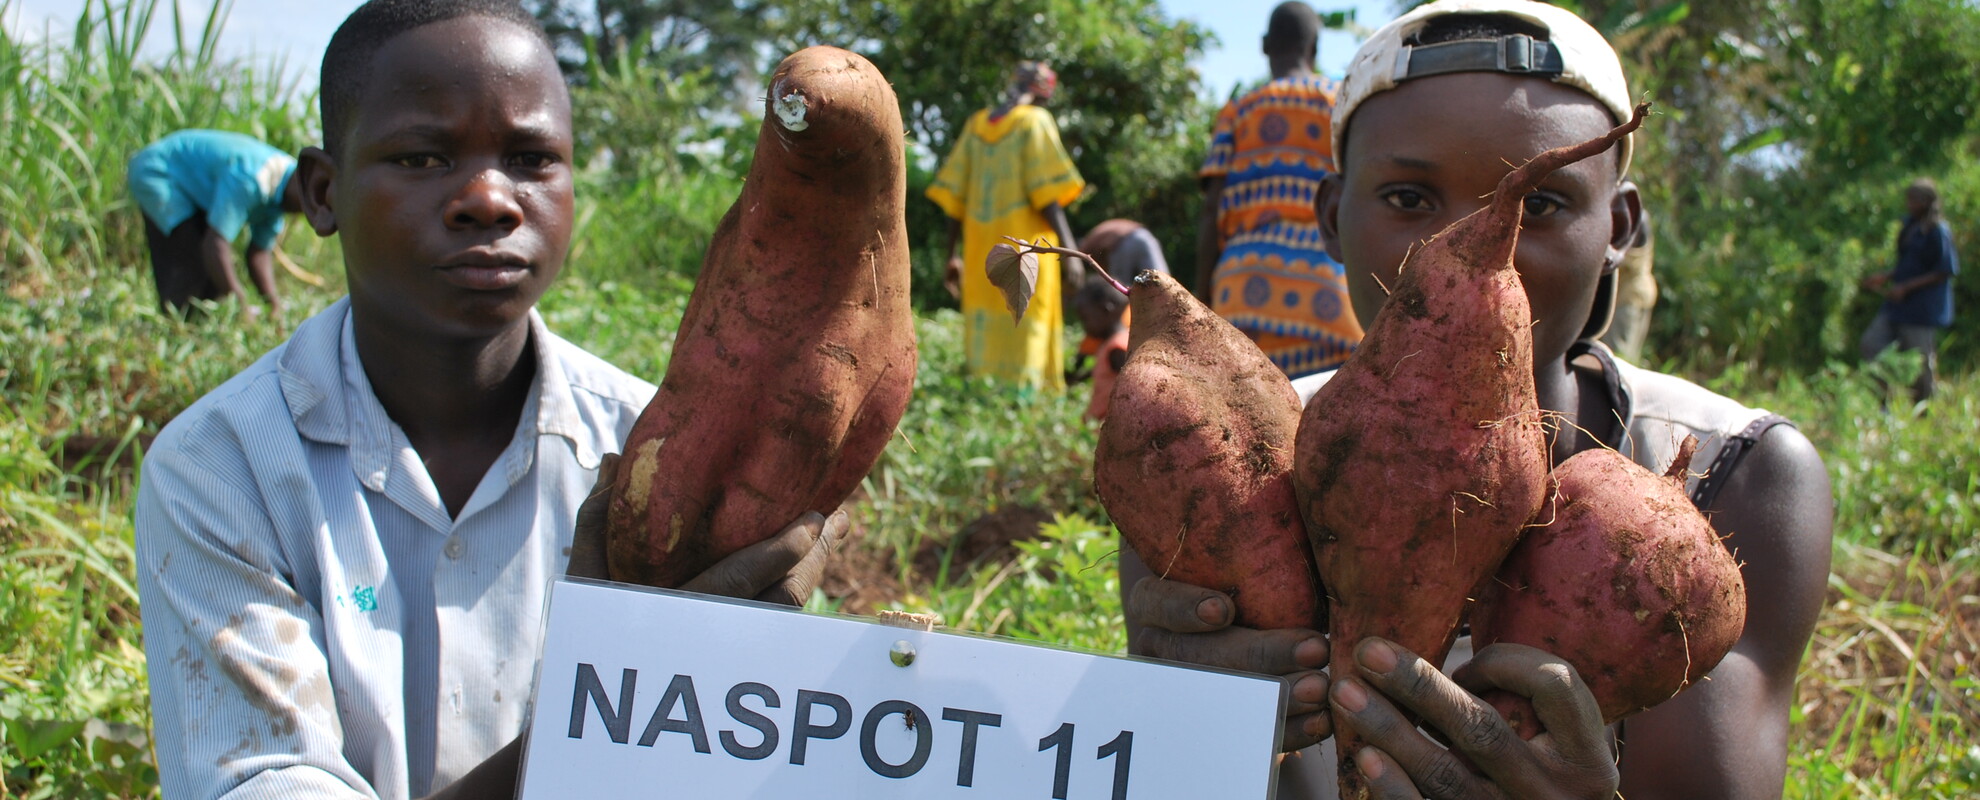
(1406, 199)
(420, 161)
(1540, 205)
(534, 160)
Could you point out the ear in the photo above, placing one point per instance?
(292, 194)
(1625, 216)
(1327, 206)
(316, 171)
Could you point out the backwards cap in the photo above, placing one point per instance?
(1574, 54)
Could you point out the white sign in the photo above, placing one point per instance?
(658, 694)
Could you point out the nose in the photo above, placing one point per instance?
(486, 200)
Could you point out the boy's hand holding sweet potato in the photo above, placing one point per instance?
(1571, 759)
(1180, 622)
(782, 569)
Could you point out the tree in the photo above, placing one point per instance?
(1128, 102)
(1785, 130)
(722, 37)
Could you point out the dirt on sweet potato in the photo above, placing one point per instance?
(1628, 582)
(1420, 462)
(1194, 462)
(796, 355)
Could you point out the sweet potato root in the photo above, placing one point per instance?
(1194, 465)
(1420, 462)
(1627, 582)
(796, 356)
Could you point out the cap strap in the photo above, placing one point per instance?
(1517, 53)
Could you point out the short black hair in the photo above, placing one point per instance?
(1294, 29)
(1472, 27)
(1469, 27)
(347, 61)
(1097, 291)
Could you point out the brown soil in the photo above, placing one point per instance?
(88, 455)
(864, 577)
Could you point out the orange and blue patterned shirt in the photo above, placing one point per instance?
(1273, 279)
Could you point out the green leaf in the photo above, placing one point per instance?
(1757, 140)
(32, 737)
(1667, 14)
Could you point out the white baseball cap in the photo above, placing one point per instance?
(1574, 54)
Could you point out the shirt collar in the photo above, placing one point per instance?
(320, 365)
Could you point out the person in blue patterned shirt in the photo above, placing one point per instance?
(1260, 262)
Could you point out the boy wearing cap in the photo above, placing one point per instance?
(344, 551)
(198, 190)
(1436, 106)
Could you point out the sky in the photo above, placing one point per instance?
(296, 31)
(1240, 25)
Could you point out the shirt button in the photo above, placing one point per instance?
(455, 548)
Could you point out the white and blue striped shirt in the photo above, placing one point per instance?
(317, 625)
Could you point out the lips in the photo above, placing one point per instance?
(485, 270)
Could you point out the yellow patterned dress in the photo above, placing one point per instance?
(997, 180)
(1274, 280)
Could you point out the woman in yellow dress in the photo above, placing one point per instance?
(1008, 175)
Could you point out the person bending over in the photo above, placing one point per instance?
(197, 190)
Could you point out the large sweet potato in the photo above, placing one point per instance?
(1193, 465)
(1420, 462)
(1627, 582)
(796, 356)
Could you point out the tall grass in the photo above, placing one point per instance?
(1906, 477)
(74, 111)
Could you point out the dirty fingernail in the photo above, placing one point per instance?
(1370, 764)
(1310, 689)
(1311, 653)
(1212, 610)
(1350, 695)
(1376, 656)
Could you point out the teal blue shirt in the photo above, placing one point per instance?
(235, 179)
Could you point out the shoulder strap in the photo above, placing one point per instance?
(1619, 396)
(1730, 454)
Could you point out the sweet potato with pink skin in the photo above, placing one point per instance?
(1627, 581)
(1194, 464)
(1419, 463)
(796, 355)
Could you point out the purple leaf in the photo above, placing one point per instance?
(1015, 274)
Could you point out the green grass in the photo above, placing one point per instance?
(74, 112)
(1888, 699)
(1906, 479)
(1887, 705)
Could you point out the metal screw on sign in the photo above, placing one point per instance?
(902, 653)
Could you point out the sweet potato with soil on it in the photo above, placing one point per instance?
(1194, 462)
(1421, 460)
(796, 355)
(1627, 581)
